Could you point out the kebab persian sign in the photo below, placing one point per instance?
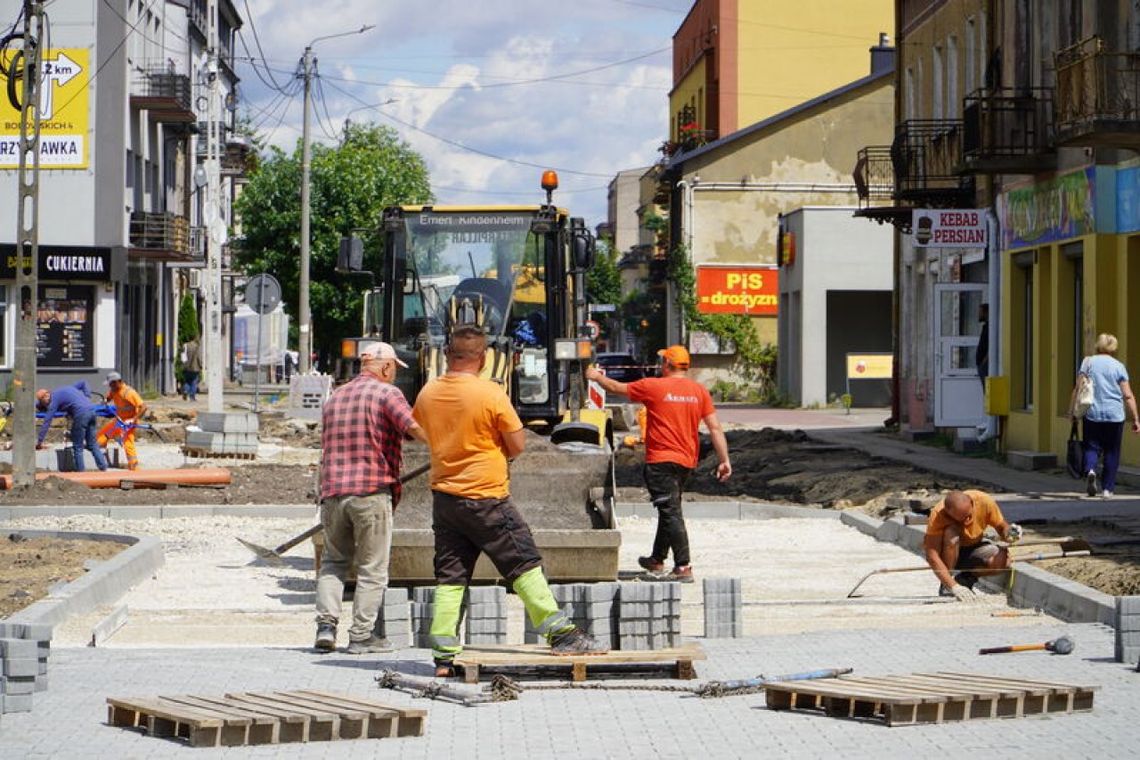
(950, 228)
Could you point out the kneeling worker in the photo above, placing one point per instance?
(954, 541)
(472, 430)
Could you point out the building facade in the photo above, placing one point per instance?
(119, 217)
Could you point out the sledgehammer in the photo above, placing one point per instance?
(1060, 645)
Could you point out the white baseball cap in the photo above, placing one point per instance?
(374, 349)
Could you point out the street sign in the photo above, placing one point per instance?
(263, 293)
(601, 308)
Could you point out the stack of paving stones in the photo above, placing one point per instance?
(24, 650)
(724, 609)
(630, 616)
(486, 615)
(394, 620)
(224, 433)
(649, 615)
(422, 610)
(1128, 629)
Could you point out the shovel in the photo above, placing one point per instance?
(273, 556)
(984, 571)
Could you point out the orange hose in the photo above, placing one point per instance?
(112, 479)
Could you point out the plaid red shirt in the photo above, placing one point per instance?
(363, 426)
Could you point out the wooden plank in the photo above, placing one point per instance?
(189, 716)
(832, 687)
(383, 721)
(291, 726)
(261, 730)
(353, 720)
(537, 654)
(1019, 681)
(323, 725)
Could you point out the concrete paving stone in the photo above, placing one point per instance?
(18, 649)
(16, 685)
(41, 684)
(12, 630)
(1128, 605)
(600, 592)
(486, 594)
(395, 595)
(19, 667)
(17, 703)
(423, 594)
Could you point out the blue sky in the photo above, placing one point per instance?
(465, 71)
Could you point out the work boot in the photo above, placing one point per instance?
(576, 641)
(368, 646)
(444, 668)
(326, 637)
(651, 564)
(1090, 483)
(681, 574)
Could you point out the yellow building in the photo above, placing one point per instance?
(737, 62)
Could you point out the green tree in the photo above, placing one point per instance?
(603, 282)
(350, 184)
(187, 318)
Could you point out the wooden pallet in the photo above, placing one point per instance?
(278, 717)
(929, 697)
(536, 660)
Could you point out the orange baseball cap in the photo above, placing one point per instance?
(676, 354)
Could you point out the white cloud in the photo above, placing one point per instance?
(454, 69)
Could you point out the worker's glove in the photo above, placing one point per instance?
(1014, 533)
(964, 594)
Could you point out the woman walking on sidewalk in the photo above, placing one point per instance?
(1103, 425)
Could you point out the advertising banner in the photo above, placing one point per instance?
(738, 290)
(64, 113)
(63, 326)
(1056, 209)
(949, 228)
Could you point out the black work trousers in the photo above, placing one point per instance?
(666, 481)
(465, 528)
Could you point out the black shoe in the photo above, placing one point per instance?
(326, 637)
(652, 564)
(943, 591)
(1090, 483)
(576, 641)
(444, 668)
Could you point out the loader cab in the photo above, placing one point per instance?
(511, 262)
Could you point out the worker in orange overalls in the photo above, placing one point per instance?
(129, 408)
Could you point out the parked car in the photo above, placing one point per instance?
(621, 367)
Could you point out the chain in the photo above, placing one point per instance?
(714, 689)
(504, 689)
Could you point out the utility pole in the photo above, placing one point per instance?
(28, 251)
(305, 328)
(215, 225)
(305, 341)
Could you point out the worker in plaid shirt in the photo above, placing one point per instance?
(363, 426)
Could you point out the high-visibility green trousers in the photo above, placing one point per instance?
(532, 589)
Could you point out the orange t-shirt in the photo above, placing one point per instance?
(465, 418)
(674, 407)
(987, 514)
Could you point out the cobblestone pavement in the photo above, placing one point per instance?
(68, 720)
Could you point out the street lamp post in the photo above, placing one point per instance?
(308, 68)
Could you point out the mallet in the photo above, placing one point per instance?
(1059, 645)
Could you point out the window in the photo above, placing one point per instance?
(910, 85)
(970, 80)
(983, 50)
(937, 91)
(953, 106)
(1021, 329)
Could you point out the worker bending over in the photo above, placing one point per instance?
(954, 541)
(472, 430)
(129, 409)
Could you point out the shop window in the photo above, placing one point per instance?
(3, 325)
(1131, 353)
(1021, 329)
(1070, 319)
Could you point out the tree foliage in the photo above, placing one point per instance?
(603, 282)
(350, 184)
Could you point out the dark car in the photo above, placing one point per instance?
(621, 367)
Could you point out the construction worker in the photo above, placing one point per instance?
(954, 541)
(363, 425)
(129, 409)
(75, 402)
(473, 431)
(675, 407)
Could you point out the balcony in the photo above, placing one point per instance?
(159, 236)
(165, 94)
(237, 150)
(925, 156)
(874, 177)
(1008, 131)
(1098, 96)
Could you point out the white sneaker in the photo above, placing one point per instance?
(1106, 494)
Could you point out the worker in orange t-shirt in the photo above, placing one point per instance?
(675, 405)
(954, 541)
(129, 408)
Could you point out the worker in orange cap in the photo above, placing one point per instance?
(129, 409)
